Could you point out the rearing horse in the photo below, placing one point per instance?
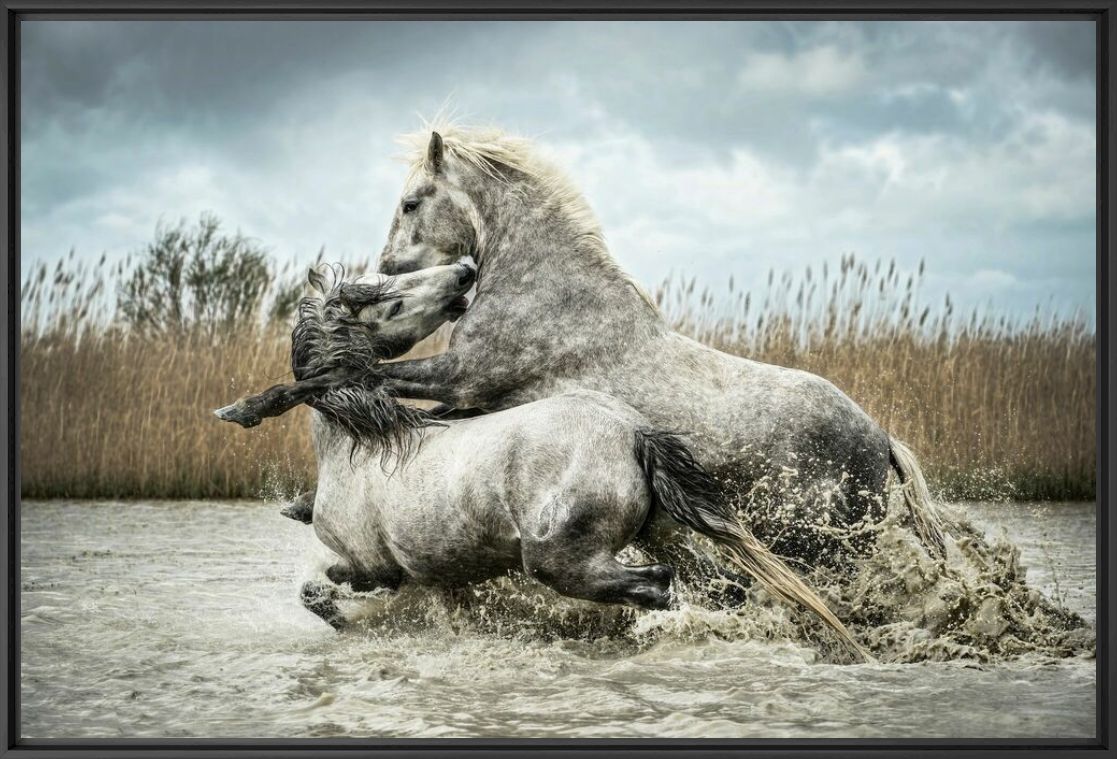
(553, 313)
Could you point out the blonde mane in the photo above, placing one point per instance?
(488, 149)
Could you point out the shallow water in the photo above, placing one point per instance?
(183, 619)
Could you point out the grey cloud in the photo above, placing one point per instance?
(275, 122)
(1068, 47)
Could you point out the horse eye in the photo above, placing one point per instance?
(395, 309)
(410, 205)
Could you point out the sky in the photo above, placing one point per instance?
(707, 149)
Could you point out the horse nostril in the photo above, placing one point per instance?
(467, 275)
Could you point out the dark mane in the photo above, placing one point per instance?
(334, 357)
(374, 421)
(327, 335)
(329, 338)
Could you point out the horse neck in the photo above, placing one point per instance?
(527, 233)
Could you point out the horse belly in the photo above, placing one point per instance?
(768, 417)
(454, 532)
(449, 553)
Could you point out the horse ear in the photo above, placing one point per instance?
(316, 280)
(435, 153)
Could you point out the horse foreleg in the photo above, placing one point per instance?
(321, 599)
(438, 378)
(279, 399)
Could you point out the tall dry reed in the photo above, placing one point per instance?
(994, 407)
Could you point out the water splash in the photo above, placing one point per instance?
(902, 603)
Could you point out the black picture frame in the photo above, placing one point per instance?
(15, 11)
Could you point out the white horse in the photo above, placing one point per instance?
(555, 488)
(554, 313)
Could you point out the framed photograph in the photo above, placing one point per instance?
(396, 379)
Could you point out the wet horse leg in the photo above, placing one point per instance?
(320, 598)
(364, 582)
(576, 557)
(603, 579)
(700, 572)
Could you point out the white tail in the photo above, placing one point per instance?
(917, 496)
(752, 556)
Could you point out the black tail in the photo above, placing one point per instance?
(681, 487)
(692, 496)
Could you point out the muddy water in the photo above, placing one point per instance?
(182, 619)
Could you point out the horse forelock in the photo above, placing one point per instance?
(496, 156)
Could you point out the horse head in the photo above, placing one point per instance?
(356, 323)
(435, 222)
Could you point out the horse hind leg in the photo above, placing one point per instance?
(608, 581)
(364, 582)
(720, 587)
(598, 576)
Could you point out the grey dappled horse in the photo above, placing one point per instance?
(555, 488)
(553, 313)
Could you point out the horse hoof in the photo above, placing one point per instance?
(319, 599)
(233, 413)
(650, 597)
(298, 511)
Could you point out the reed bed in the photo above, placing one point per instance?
(113, 409)
(995, 407)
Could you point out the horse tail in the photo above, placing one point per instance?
(917, 496)
(693, 497)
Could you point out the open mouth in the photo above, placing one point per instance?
(457, 307)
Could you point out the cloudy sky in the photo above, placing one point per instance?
(707, 149)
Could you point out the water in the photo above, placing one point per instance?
(182, 620)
